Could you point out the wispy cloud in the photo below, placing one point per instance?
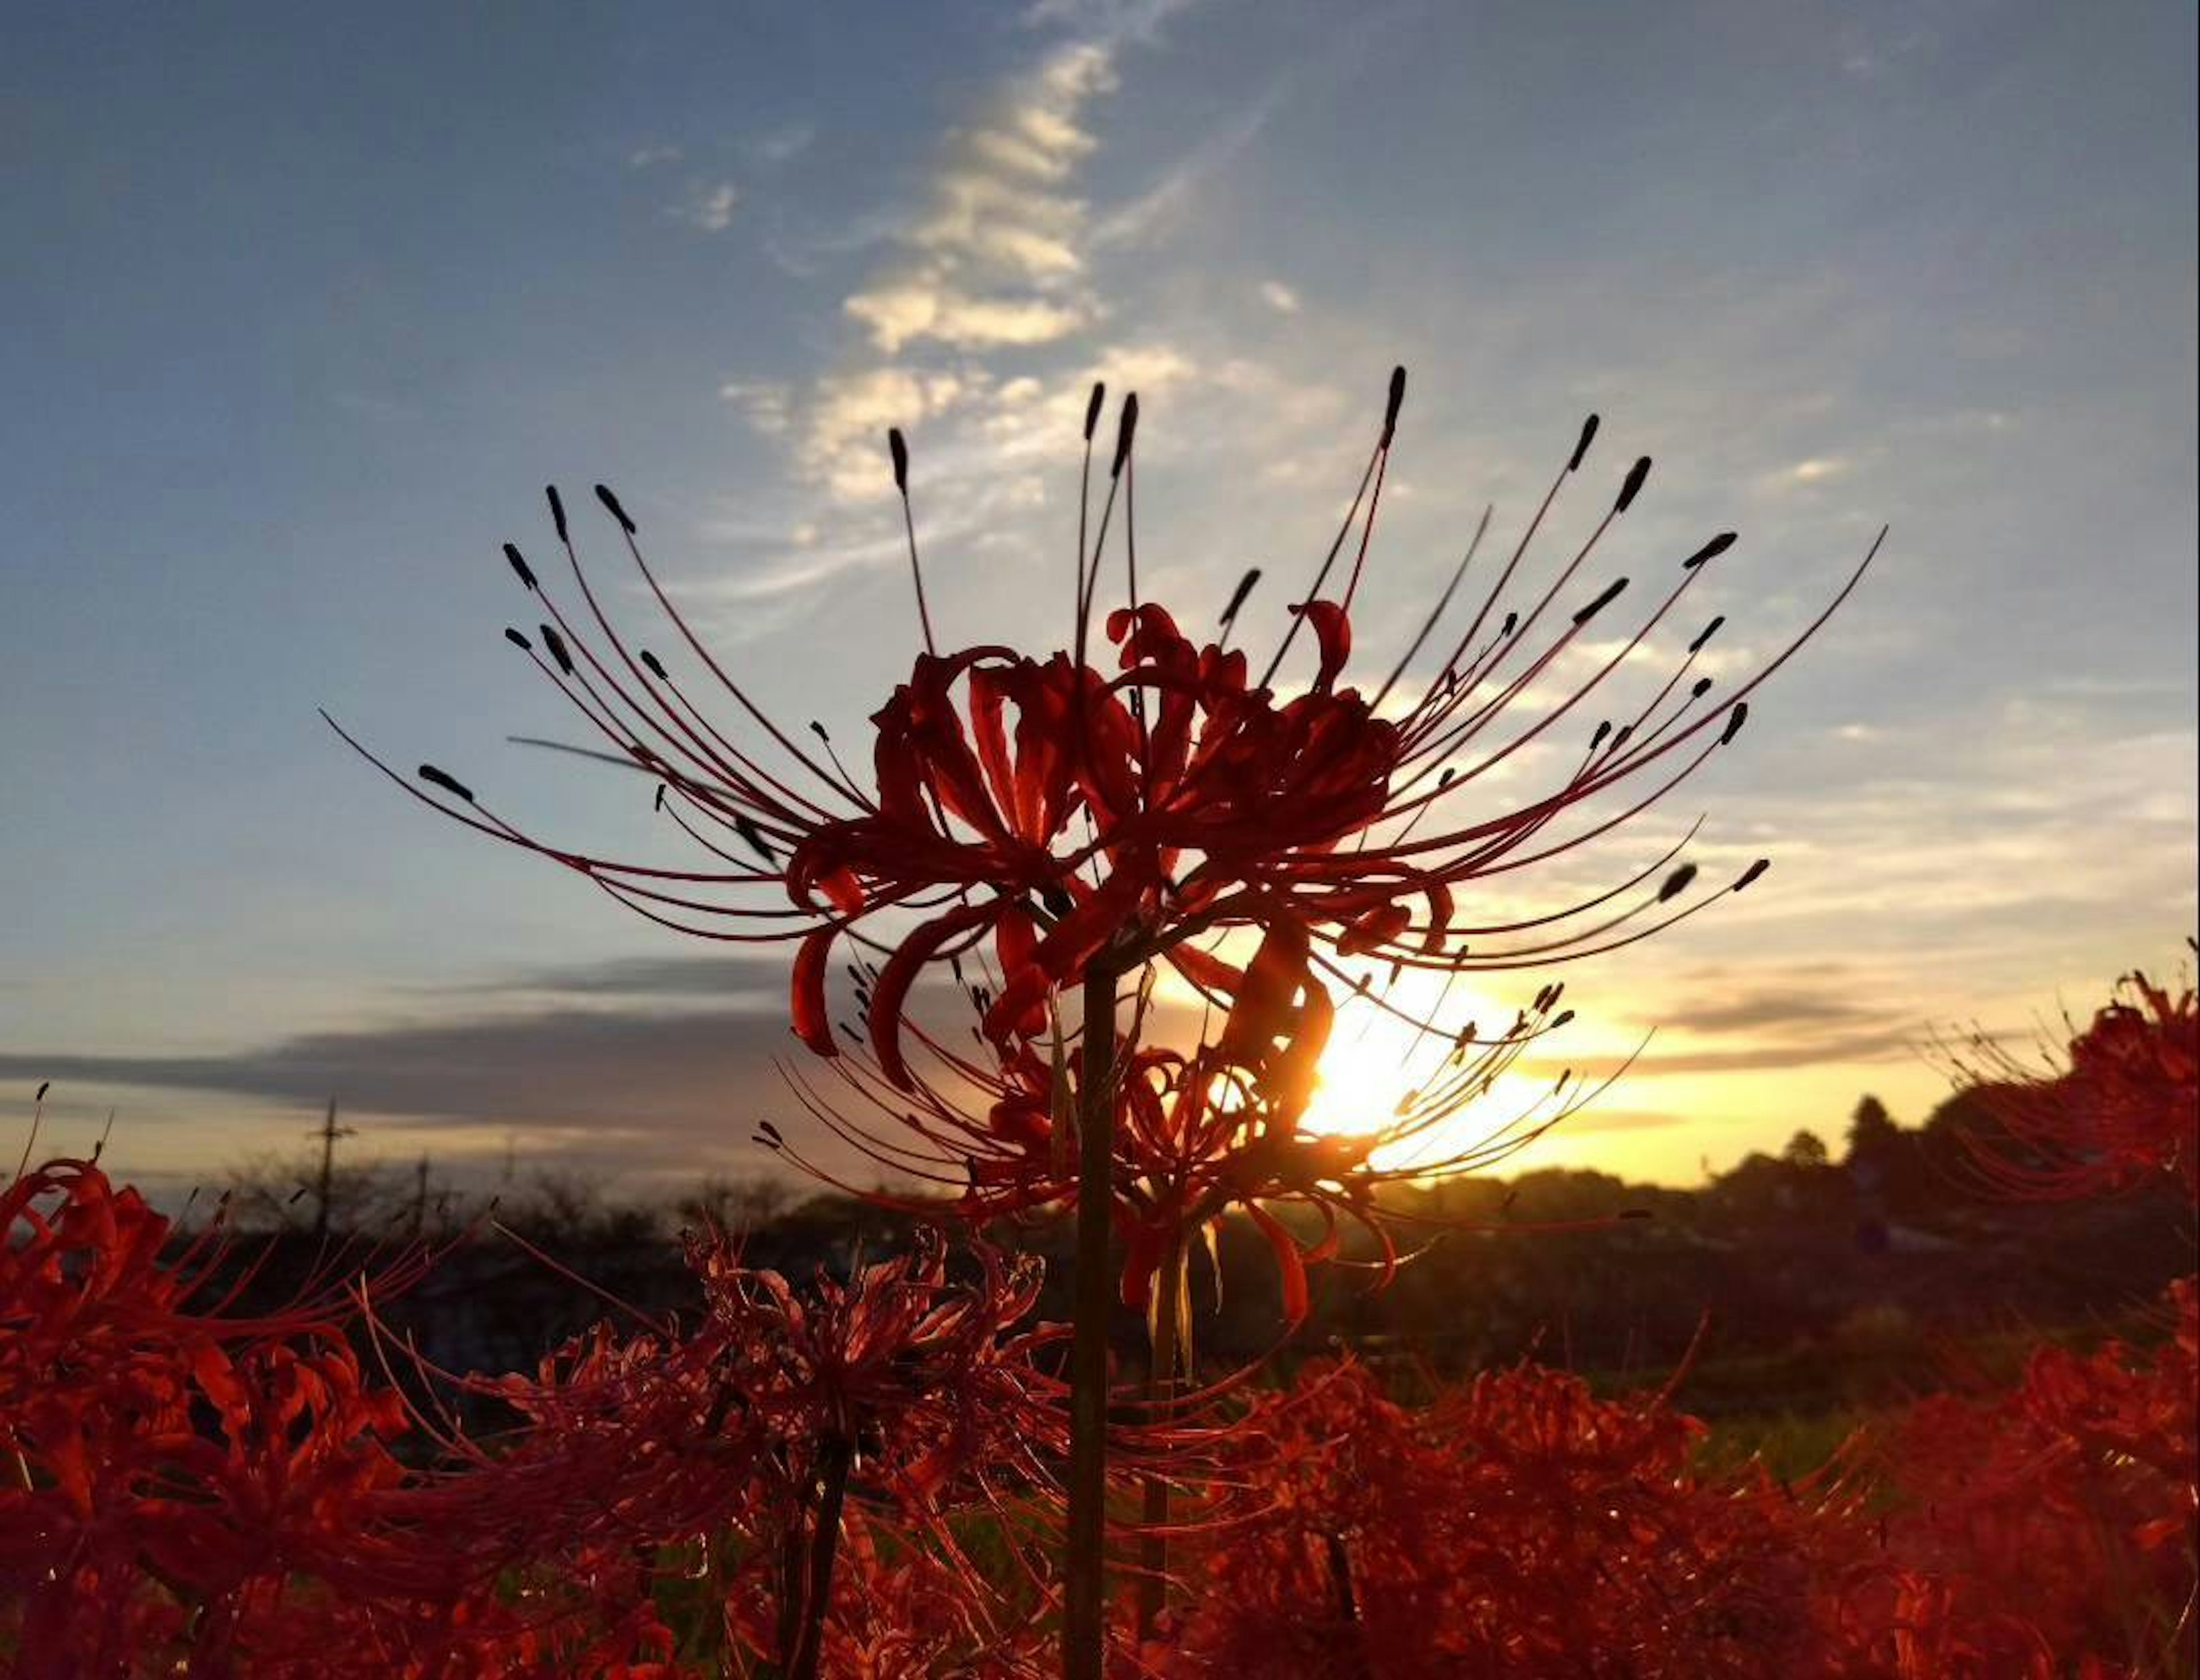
(994, 258)
(710, 206)
(784, 145)
(1162, 207)
(648, 157)
(992, 267)
(765, 404)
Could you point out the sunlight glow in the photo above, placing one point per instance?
(1376, 1060)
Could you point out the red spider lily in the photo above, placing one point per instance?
(1516, 1525)
(174, 1466)
(905, 1391)
(2119, 1110)
(1060, 813)
(2046, 1523)
(926, 1384)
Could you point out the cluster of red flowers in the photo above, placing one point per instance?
(2118, 1109)
(834, 1481)
(2041, 1523)
(172, 1467)
(1512, 1524)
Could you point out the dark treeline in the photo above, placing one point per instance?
(1832, 1275)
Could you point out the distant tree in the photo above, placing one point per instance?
(1889, 1165)
(1872, 1132)
(1807, 1149)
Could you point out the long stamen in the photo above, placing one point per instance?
(1084, 510)
(1396, 400)
(897, 447)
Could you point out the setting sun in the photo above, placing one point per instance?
(1377, 1062)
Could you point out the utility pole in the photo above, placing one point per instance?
(328, 1133)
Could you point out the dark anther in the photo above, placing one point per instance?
(1676, 883)
(556, 644)
(1703, 686)
(450, 784)
(1602, 730)
(1633, 486)
(612, 506)
(1601, 602)
(658, 803)
(1752, 872)
(1092, 407)
(1711, 551)
(519, 564)
(897, 446)
(1126, 428)
(1561, 1019)
(1581, 449)
(1237, 595)
(1511, 623)
(557, 509)
(1710, 631)
(1736, 719)
(518, 641)
(1397, 401)
(750, 832)
(655, 668)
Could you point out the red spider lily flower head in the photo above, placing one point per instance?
(1515, 1524)
(927, 1375)
(916, 1388)
(1047, 814)
(927, 1382)
(2053, 1516)
(2117, 1110)
(174, 1462)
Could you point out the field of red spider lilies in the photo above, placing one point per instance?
(901, 1470)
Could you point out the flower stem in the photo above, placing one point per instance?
(1085, 1562)
(1167, 1355)
(824, 1540)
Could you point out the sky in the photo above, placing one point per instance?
(303, 311)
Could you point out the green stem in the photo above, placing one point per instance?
(1084, 1560)
(1168, 1341)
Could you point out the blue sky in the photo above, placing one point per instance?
(304, 311)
